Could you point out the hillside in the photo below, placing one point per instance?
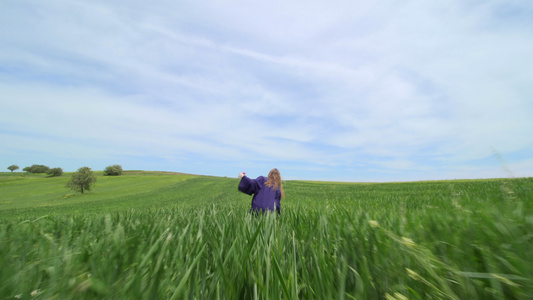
(37, 194)
(34, 195)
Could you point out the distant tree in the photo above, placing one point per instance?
(36, 169)
(114, 170)
(55, 172)
(13, 168)
(82, 180)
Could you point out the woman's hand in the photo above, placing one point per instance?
(241, 175)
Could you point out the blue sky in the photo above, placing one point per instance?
(323, 90)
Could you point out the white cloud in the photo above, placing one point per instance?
(351, 84)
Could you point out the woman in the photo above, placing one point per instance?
(267, 191)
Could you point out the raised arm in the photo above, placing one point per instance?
(248, 186)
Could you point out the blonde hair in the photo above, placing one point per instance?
(274, 181)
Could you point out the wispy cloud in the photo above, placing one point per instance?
(343, 90)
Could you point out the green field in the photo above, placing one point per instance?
(147, 235)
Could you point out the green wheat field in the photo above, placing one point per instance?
(153, 235)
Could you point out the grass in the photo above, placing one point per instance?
(167, 236)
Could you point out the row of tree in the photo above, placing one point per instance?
(114, 170)
(36, 169)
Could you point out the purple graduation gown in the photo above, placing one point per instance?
(264, 197)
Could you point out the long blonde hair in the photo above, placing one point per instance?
(274, 181)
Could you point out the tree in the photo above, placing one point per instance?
(55, 172)
(36, 169)
(82, 180)
(114, 170)
(13, 168)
